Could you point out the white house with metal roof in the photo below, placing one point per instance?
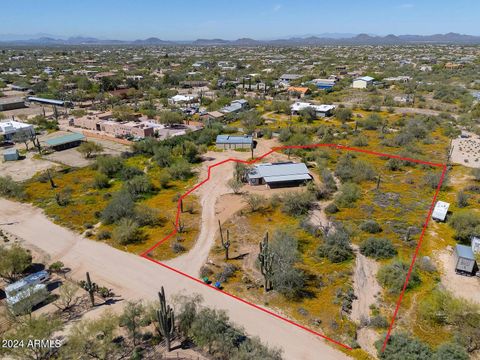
(234, 142)
(10, 127)
(282, 174)
(320, 110)
(235, 106)
(362, 82)
(182, 99)
(440, 211)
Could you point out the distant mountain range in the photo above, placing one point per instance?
(323, 39)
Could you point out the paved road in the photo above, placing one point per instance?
(134, 277)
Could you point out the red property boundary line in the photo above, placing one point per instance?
(275, 149)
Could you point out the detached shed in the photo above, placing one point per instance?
(465, 263)
(11, 154)
(440, 211)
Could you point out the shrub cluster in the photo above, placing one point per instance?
(392, 277)
(371, 227)
(378, 248)
(336, 247)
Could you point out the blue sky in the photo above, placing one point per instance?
(230, 19)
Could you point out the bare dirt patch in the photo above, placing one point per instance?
(366, 338)
(24, 169)
(69, 157)
(365, 285)
(462, 286)
(466, 151)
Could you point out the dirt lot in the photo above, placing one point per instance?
(24, 169)
(462, 286)
(466, 151)
(110, 147)
(30, 111)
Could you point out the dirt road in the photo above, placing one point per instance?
(134, 277)
(209, 193)
(318, 217)
(365, 285)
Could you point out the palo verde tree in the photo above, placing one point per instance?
(14, 261)
(165, 318)
(23, 137)
(266, 259)
(89, 149)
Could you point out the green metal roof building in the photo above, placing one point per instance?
(65, 141)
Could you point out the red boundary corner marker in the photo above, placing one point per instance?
(335, 146)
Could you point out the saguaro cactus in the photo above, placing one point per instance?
(90, 287)
(180, 227)
(225, 244)
(407, 235)
(166, 319)
(52, 183)
(266, 259)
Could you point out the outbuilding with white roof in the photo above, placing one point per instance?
(440, 211)
(362, 82)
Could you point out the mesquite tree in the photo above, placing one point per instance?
(166, 319)
(225, 244)
(266, 259)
